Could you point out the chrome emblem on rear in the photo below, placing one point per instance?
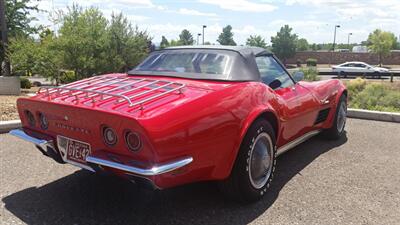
(71, 128)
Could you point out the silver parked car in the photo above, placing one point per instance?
(358, 67)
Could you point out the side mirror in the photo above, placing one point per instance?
(275, 84)
(298, 76)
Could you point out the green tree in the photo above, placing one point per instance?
(126, 46)
(83, 40)
(284, 43)
(18, 21)
(302, 45)
(256, 41)
(31, 56)
(314, 47)
(24, 55)
(175, 42)
(394, 40)
(18, 17)
(186, 38)
(164, 42)
(226, 37)
(380, 43)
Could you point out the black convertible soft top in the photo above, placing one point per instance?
(244, 65)
(245, 51)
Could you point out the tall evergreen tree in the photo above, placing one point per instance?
(164, 42)
(226, 37)
(256, 41)
(302, 45)
(284, 43)
(186, 38)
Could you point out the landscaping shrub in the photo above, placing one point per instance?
(310, 74)
(355, 86)
(311, 62)
(299, 62)
(25, 83)
(373, 96)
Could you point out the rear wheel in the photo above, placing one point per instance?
(254, 166)
(377, 74)
(342, 74)
(339, 122)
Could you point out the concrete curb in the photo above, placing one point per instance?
(373, 115)
(6, 126)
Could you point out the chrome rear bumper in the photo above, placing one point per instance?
(39, 142)
(153, 171)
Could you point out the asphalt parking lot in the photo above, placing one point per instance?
(355, 180)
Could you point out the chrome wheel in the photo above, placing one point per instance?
(341, 116)
(261, 160)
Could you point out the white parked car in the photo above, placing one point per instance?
(358, 67)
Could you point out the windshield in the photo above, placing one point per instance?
(207, 64)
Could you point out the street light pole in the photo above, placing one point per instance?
(334, 42)
(348, 40)
(204, 26)
(334, 37)
(198, 35)
(4, 40)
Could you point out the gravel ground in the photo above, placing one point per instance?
(354, 180)
(8, 104)
(8, 108)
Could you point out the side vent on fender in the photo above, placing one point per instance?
(322, 115)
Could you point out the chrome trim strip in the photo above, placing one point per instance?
(21, 134)
(80, 165)
(296, 142)
(155, 170)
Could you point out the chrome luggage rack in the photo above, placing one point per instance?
(135, 91)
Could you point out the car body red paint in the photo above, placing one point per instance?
(206, 121)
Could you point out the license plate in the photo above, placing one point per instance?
(77, 151)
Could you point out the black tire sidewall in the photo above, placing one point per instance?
(333, 133)
(243, 163)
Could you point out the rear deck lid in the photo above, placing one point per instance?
(128, 94)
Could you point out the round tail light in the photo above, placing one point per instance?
(109, 136)
(31, 118)
(133, 141)
(44, 123)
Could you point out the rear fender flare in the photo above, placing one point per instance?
(254, 115)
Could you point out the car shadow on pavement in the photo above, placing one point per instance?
(83, 198)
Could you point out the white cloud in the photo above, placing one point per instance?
(172, 31)
(241, 5)
(311, 19)
(193, 12)
(133, 18)
(355, 8)
(359, 17)
(136, 2)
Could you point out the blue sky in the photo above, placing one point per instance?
(311, 19)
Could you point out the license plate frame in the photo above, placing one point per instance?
(72, 150)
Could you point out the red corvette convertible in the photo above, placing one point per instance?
(186, 114)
